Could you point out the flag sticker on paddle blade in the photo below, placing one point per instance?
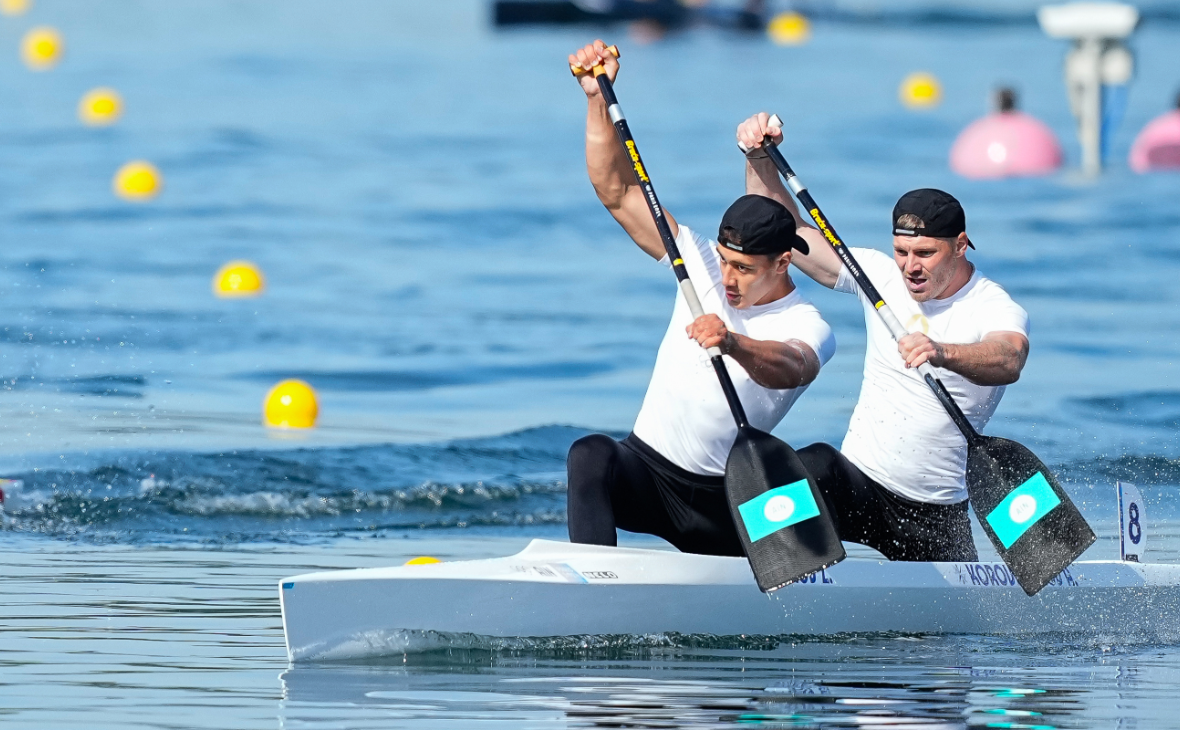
(1022, 508)
(777, 508)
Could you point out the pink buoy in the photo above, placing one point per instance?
(1006, 143)
(1158, 146)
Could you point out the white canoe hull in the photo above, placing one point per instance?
(555, 589)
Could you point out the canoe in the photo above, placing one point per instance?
(557, 589)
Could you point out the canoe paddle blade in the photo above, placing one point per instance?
(1026, 514)
(781, 517)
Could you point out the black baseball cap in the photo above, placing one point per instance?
(942, 216)
(759, 225)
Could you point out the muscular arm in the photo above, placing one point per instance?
(774, 365)
(997, 360)
(821, 262)
(771, 364)
(609, 168)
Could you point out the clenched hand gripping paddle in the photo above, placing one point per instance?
(1026, 514)
(781, 516)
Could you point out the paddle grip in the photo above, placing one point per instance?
(657, 213)
(891, 322)
(774, 121)
(598, 70)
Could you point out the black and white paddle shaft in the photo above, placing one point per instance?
(1028, 517)
(784, 525)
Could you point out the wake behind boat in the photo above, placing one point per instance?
(556, 589)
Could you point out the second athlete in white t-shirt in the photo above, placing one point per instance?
(898, 482)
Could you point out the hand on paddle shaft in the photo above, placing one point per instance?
(709, 331)
(917, 349)
(588, 57)
(777, 508)
(1026, 514)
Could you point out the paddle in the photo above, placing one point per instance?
(781, 517)
(1026, 514)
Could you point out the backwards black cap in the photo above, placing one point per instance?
(755, 224)
(942, 216)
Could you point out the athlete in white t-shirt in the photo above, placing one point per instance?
(666, 477)
(897, 484)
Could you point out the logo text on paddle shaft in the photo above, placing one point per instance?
(639, 171)
(823, 227)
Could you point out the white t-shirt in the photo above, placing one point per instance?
(900, 435)
(685, 416)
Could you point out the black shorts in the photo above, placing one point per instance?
(869, 514)
(628, 485)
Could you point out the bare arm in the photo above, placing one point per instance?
(771, 364)
(610, 170)
(997, 360)
(774, 365)
(821, 262)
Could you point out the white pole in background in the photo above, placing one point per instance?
(1098, 59)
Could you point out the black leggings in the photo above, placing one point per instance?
(869, 514)
(628, 485)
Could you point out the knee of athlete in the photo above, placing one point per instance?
(818, 459)
(590, 455)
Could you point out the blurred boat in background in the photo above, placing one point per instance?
(756, 14)
(749, 15)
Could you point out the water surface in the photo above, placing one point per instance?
(412, 184)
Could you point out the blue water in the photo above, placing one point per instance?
(411, 182)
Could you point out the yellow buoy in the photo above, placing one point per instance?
(239, 279)
(100, 107)
(423, 560)
(290, 404)
(789, 29)
(41, 48)
(15, 7)
(137, 181)
(920, 90)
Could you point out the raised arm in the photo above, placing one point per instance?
(610, 170)
(997, 360)
(821, 262)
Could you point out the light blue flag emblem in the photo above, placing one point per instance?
(777, 508)
(1022, 508)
